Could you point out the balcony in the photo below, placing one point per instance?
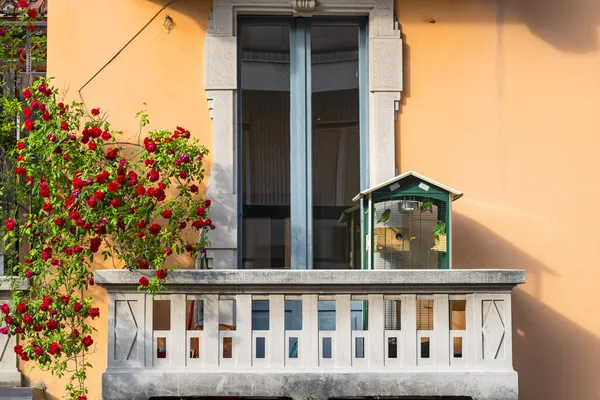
(317, 334)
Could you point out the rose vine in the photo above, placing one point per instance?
(81, 193)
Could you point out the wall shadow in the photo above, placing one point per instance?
(549, 350)
(568, 25)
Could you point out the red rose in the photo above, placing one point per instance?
(64, 126)
(95, 112)
(141, 224)
(161, 273)
(18, 349)
(37, 327)
(22, 308)
(47, 301)
(77, 307)
(121, 179)
(10, 225)
(154, 229)
(161, 185)
(87, 341)
(113, 187)
(20, 171)
(27, 112)
(78, 183)
(153, 175)
(189, 248)
(54, 349)
(21, 145)
(183, 175)
(47, 207)
(168, 251)
(24, 357)
(140, 190)
(8, 319)
(77, 249)
(198, 224)
(167, 214)
(94, 312)
(106, 135)
(5, 309)
(52, 325)
(99, 196)
(81, 398)
(38, 351)
(2, 32)
(207, 203)
(144, 264)
(95, 244)
(59, 222)
(111, 154)
(194, 189)
(32, 13)
(144, 282)
(92, 203)
(65, 299)
(92, 146)
(74, 215)
(115, 203)
(29, 124)
(149, 145)
(200, 211)
(27, 93)
(28, 319)
(46, 116)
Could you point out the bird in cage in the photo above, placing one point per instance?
(440, 228)
(427, 206)
(385, 217)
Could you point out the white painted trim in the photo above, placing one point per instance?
(385, 86)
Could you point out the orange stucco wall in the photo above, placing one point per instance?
(501, 101)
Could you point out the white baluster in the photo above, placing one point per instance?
(210, 346)
(309, 340)
(469, 346)
(242, 344)
(343, 333)
(375, 345)
(178, 331)
(441, 331)
(276, 343)
(408, 344)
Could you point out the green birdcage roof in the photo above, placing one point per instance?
(395, 183)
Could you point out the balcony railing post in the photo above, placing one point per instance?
(470, 334)
(408, 324)
(309, 341)
(375, 344)
(276, 331)
(493, 330)
(127, 330)
(243, 345)
(343, 331)
(441, 330)
(178, 330)
(211, 346)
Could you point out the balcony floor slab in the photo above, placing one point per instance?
(139, 384)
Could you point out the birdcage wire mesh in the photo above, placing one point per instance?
(404, 233)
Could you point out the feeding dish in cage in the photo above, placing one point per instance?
(406, 223)
(408, 206)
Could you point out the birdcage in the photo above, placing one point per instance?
(406, 223)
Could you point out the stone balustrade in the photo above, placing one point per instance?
(317, 334)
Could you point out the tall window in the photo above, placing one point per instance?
(302, 141)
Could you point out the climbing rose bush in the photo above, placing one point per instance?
(83, 194)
